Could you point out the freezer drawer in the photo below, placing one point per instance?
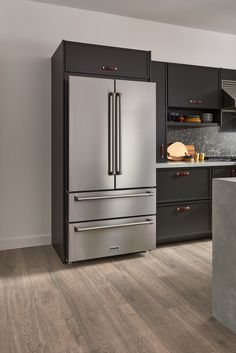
(87, 206)
(90, 240)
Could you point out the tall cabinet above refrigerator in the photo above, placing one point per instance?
(103, 154)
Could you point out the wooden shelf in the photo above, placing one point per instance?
(179, 124)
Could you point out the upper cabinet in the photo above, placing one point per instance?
(193, 87)
(228, 74)
(99, 60)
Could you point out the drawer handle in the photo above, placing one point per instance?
(107, 197)
(233, 173)
(183, 173)
(109, 68)
(182, 209)
(148, 221)
(195, 101)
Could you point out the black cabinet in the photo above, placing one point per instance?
(183, 204)
(224, 172)
(183, 221)
(158, 75)
(193, 87)
(183, 184)
(103, 60)
(228, 74)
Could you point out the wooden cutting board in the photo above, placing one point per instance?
(177, 151)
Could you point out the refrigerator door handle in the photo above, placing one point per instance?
(91, 198)
(148, 221)
(118, 121)
(111, 135)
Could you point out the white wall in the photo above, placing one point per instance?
(29, 34)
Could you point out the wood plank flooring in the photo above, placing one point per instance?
(156, 302)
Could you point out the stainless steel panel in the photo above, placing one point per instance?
(109, 238)
(111, 204)
(89, 137)
(136, 138)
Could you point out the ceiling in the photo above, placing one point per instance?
(213, 15)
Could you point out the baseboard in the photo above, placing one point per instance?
(25, 242)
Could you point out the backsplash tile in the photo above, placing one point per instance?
(217, 141)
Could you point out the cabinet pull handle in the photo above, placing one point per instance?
(233, 173)
(195, 101)
(183, 173)
(182, 209)
(162, 151)
(109, 68)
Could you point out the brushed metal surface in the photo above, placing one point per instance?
(89, 198)
(111, 204)
(140, 223)
(138, 134)
(111, 241)
(89, 133)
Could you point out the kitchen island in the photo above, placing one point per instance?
(224, 251)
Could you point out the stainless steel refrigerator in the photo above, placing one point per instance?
(112, 175)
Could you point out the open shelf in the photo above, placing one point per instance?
(182, 124)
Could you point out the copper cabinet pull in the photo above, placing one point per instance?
(109, 68)
(195, 101)
(182, 209)
(183, 173)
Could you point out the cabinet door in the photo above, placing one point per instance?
(136, 134)
(183, 184)
(89, 139)
(224, 172)
(103, 60)
(158, 75)
(183, 221)
(193, 86)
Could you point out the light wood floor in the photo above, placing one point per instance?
(157, 302)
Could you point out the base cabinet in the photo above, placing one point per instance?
(184, 202)
(224, 172)
(183, 221)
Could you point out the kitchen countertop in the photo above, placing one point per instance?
(224, 249)
(193, 165)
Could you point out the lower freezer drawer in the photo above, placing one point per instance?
(90, 240)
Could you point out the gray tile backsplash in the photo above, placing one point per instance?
(217, 141)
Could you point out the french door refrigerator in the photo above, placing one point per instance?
(112, 156)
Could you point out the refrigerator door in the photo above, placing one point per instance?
(91, 133)
(135, 111)
(91, 240)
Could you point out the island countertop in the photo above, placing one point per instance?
(224, 250)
